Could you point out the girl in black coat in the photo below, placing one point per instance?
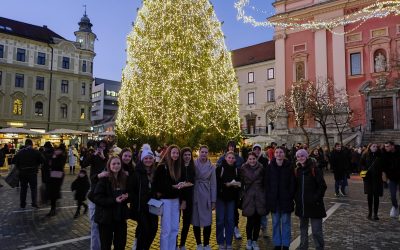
(309, 199)
(280, 184)
(186, 195)
(55, 176)
(110, 197)
(140, 192)
(373, 185)
(81, 186)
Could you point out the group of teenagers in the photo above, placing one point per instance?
(192, 188)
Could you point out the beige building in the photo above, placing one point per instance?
(255, 70)
(45, 79)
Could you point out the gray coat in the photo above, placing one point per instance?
(254, 197)
(205, 192)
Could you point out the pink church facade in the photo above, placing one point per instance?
(363, 60)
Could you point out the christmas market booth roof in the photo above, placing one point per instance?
(12, 130)
(65, 131)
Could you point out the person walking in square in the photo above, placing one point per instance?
(81, 186)
(371, 161)
(391, 168)
(309, 198)
(27, 161)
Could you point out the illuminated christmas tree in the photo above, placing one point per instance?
(179, 84)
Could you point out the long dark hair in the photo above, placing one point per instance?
(191, 163)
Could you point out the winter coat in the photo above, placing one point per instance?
(81, 186)
(310, 191)
(253, 190)
(205, 193)
(187, 175)
(53, 185)
(226, 173)
(163, 183)
(47, 155)
(72, 155)
(391, 165)
(280, 184)
(27, 160)
(140, 192)
(372, 162)
(340, 164)
(108, 210)
(97, 165)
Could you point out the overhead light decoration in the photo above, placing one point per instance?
(375, 10)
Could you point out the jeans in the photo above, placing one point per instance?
(342, 184)
(393, 187)
(26, 179)
(225, 217)
(169, 224)
(281, 229)
(316, 228)
(94, 229)
(264, 222)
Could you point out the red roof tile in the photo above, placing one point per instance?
(253, 54)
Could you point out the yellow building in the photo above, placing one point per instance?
(45, 79)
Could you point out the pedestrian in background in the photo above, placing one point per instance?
(186, 195)
(371, 161)
(56, 176)
(340, 164)
(253, 195)
(72, 156)
(391, 168)
(166, 186)
(204, 198)
(27, 161)
(140, 192)
(111, 197)
(309, 198)
(81, 186)
(227, 193)
(280, 184)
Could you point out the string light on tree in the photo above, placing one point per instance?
(379, 9)
(178, 83)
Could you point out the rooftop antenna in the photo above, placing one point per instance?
(85, 9)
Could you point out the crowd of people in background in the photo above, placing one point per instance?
(275, 180)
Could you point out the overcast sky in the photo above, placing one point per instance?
(112, 21)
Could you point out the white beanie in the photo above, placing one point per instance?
(146, 151)
(257, 146)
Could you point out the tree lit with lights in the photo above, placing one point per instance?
(178, 84)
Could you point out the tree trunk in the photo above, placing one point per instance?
(326, 136)
(306, 135)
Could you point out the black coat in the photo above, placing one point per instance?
(108, 210)
(340, 163)
(372, 162)
(53, 185)
(27, 160)
(187, 175)
(81, 186)
(97, 165)
(280, 187)
(140, 192)
(310, 191)
(163, 183)
(226, 173)
(391, 165)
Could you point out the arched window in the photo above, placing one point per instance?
(39, 109)
(64, 110)
(17, 107)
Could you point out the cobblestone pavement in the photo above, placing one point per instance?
(345, 228)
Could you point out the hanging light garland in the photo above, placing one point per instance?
(376, 10)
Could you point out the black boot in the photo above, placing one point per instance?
(51, 213)
(77, 214)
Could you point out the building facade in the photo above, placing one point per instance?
(361, 58)
(255, 71)
(104, 104)
(45, 79)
